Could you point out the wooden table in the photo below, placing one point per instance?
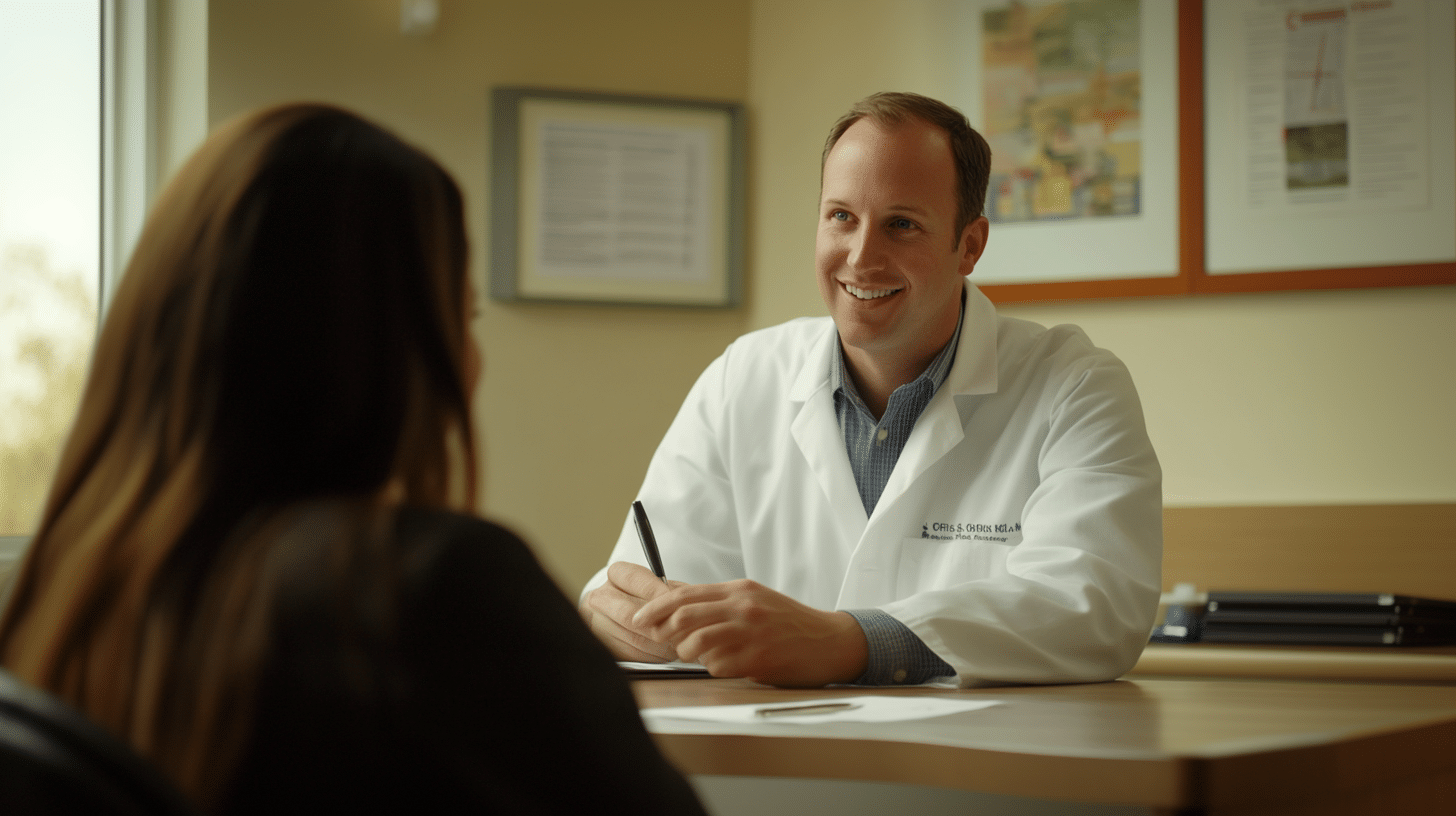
(1430, 665)
(1176, 746)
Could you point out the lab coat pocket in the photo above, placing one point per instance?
(927, 564)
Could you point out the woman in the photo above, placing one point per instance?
(252, 564)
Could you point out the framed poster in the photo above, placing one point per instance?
(1082, 103)
(1337, 162)
(616, 199)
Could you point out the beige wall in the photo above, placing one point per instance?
(1281, 398)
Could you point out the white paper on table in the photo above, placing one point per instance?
(866, 709)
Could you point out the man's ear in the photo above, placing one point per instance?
(973, 243)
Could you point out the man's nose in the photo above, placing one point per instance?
(866, 248)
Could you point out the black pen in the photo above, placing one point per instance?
(810, 708)
(649, 541)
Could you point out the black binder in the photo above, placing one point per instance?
(1328, 618)
(1308, 634)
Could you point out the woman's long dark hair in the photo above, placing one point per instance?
(292, 326)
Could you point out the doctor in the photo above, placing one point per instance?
(912, 490)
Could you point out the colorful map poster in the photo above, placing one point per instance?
(1063, 109)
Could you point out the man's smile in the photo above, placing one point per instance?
(868, 294)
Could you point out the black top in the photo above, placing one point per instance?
(440, 671)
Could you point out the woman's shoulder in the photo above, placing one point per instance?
(413, 560)
(443, 546)
(451, 527)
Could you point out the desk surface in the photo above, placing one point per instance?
(1212, 745)
(1431, 665)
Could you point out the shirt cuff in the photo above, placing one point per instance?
(897, 656)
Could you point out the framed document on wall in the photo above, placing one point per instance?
(616, 199)
(1336, 165)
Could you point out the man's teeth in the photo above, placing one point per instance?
(868, 294)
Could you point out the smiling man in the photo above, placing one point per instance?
(912, 490)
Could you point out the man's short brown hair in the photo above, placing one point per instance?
(968, 148)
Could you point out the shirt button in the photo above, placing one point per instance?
(882, 434)
(899, 676)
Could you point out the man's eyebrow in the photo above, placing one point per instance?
(908, 209)
(894, 209)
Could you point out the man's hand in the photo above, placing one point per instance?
(609, 609)
(744, 629)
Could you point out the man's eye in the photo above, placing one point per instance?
(839, 215)
(902, 223)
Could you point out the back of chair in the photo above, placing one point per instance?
(56, 762)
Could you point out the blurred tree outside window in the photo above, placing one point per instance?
(50, 233)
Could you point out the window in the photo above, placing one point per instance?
(84, 86)
(50, 240)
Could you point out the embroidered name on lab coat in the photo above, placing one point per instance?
(946, 531)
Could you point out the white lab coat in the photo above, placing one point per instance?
(1019, 536)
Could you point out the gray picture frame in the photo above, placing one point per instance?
(566, 169)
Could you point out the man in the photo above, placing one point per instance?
(912, 490)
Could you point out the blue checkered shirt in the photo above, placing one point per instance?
(896, 655)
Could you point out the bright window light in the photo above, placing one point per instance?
(50, 228)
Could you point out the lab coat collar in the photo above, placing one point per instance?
(974, 371)
(816, 431)
(818, 364)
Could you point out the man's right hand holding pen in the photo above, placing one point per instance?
(624, 594)
(610, 608)
(735, 629)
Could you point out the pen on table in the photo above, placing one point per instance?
(808, 708)
(649, 541)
